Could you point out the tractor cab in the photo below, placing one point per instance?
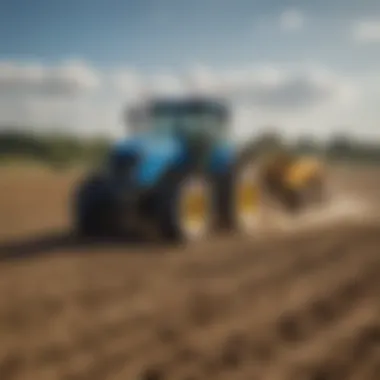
(196, 122)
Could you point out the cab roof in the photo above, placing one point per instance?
(191, 100)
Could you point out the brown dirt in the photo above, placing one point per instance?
(302, 306)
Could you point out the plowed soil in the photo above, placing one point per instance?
(300, 304)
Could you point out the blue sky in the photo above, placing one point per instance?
(145, 32)
(172, 33)
(109, 36)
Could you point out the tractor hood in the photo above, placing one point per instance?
(152, 156)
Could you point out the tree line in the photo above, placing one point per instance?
(52, 149)
(64, 150)
(340, 147)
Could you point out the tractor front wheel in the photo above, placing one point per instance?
(91, 216)
(92, 223)
(240, 199)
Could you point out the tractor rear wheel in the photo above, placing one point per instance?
(185, 209)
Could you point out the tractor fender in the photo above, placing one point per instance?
(222, 159)
(157, 155)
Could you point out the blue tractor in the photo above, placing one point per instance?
(177, 175)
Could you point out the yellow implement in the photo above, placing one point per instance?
(293, 180)
(301, 171)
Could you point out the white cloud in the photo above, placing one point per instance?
(268, 87)
(292, 19)
(128, 81)
(298, 99)
(66, 79)
(366, 31)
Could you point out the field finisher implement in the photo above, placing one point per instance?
(180, 177)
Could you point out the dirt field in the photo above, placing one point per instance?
(300, 305)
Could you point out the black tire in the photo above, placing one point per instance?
(166, 200)
(224, 193)
(90, 224)
(91, 219)
(223, 190)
